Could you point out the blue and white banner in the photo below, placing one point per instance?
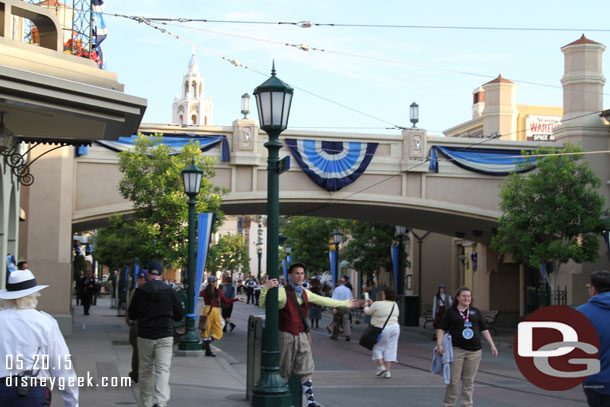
(99, 28)
(136, 270)
(174, 142)
(483, 160)
(394, 254)
(333, 272)
(205, 223)
(289, 260)
(332, 164)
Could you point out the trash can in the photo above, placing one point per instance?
(402, 317)
(411, 310)
(255, 352)
(256, 325)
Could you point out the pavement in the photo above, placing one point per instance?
(100, 348)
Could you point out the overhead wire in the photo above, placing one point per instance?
(239, 64)
(306, 48)
(310, 24)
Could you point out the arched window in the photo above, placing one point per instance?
(205, 121)
(181, 118)
(194, 88)
(186, 89)
(201, 89)
(194, 119)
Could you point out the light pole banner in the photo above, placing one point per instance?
(333, 272)
(136, 270)
(289, 260)
(285, 270)
(394, 253)
(205, 223)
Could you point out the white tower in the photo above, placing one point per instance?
(191, 108)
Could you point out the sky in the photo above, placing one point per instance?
(366, 78)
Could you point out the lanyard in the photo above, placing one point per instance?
(467, 316)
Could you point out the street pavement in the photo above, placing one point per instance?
(345, 373)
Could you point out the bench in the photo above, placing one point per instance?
(490, 319)
(428, 316)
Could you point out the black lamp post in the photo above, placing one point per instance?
(337, 238)
(400, 284)
(259, 253)
(273, 99)
(191, 177)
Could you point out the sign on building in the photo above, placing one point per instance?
(540, 128)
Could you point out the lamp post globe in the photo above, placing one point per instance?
(414, 113)
(273, 100)
(191, 177)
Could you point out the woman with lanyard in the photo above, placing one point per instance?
(466, 325)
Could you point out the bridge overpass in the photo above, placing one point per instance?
(396, 188)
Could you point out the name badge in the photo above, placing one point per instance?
(467, 324)
(468, 333)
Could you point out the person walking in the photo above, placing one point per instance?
(257, 291)
(250, 284)
(597, 386)
(133, 333)
(371, 289)
(466, 325)
(228, 290)
(295, 349)
(385, 312)
(213, 297)
(156, 308)
(440, 303)
(87, 290)
(341, 314)
(29, 336)
(314, 312)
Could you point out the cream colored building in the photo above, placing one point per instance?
(51, 101)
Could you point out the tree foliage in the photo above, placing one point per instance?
(553, 214)
(152, 181)
(366, 246)
(309, 238)
(368, 249)
(117, 245)
(230, 254)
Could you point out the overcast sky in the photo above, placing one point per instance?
(387, 69)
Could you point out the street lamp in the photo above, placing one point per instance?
(245, 105)
(400, 284)
(273, 98)
(191, 177)
(259, 253)
(288, 250)
(414, 114)
(337, 238)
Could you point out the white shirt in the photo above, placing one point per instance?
(379, 312)
(32, 339)
(342, 293)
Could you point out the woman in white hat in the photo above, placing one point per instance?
(34, 347)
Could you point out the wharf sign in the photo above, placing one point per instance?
(540, 128)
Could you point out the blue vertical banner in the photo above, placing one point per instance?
(285, 270)
(333, 272)
(136, 270)
(289, 260)
(205, 223)
(394, 253)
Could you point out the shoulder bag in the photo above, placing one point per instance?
(372, 334)
(203, 319)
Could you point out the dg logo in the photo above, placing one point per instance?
(556, 348)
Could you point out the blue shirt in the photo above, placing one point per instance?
(342, 293)
(598, 312)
